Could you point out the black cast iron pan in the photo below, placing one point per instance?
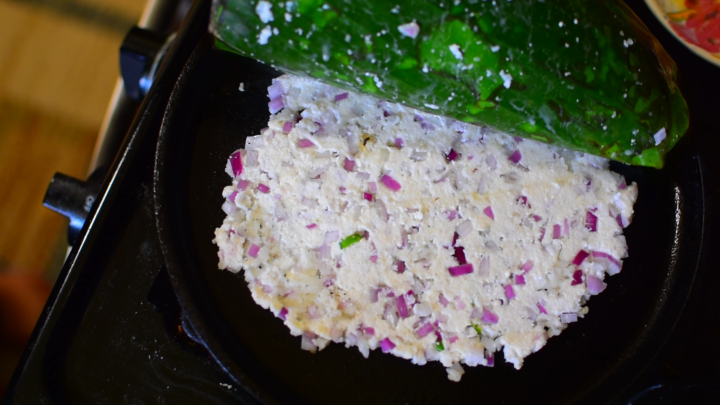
(593, 361)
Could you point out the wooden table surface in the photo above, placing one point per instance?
(58, 66)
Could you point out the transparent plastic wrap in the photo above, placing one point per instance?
(587, 76)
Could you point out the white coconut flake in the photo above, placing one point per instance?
(507, 79)
(455, 50)
(264, 35)
(660, 136)
(411, 29)
(264, 10)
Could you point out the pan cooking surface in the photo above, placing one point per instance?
(594, 359)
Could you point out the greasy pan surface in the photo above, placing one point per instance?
(594, 360)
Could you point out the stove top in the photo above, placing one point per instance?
(113, 330)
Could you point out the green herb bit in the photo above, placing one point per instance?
(477, 328)
(351, 240)
(439, 346)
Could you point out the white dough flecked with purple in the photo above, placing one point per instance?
(460, 241)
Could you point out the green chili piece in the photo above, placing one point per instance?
(351, 240)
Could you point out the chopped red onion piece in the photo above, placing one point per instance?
(229, 207)
(389, 182)
(557, 231)
(460, 254)
(342, 190)
(276, 105)
(411, 29)
(452, 338)
(276, 89)
(660, 136)
(476, 313)
(459, 304)
(622, 220)
(517, 139)
(542, 234)
(443, 301)
(522, 200)
(399, 143)
(232, 196)
(622, 185)
(323, 251)
(423, 309)
(568, 317)
(527, 266)
(283, 313)
(368, 196)
(263, 188)
(489, 212)
(489, 317)
(541, 308)
(305, 143)
(400, 266)
(330, 281)
(466, 227)
(372, 186)
(288, 126)
(425, 329)
(363, 175)
(461, 270)
(577, 277)
(515, 157)
(519, 280)
(307, 342)
(441, 317)
(491, 162)
(332, 236)
(537, 218)
(373, 258)
(253, 251)
(386, 345)
(317, 172)
(381, 210)
(484, 267)
(580, 257)
(349, 165)
(490, 360)
(341, 96)
(451, 214)
(374, 292)
(251, 157)
(369, 331)
(401, 306)
(595, 285)
(591, 222)
(320, 130)
(452, 155)
(236, 162)
(243, 184)
(418, 156)
(612, 265)
(509, 292)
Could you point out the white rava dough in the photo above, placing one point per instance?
(313, 203)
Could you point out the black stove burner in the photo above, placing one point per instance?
(113, 331)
